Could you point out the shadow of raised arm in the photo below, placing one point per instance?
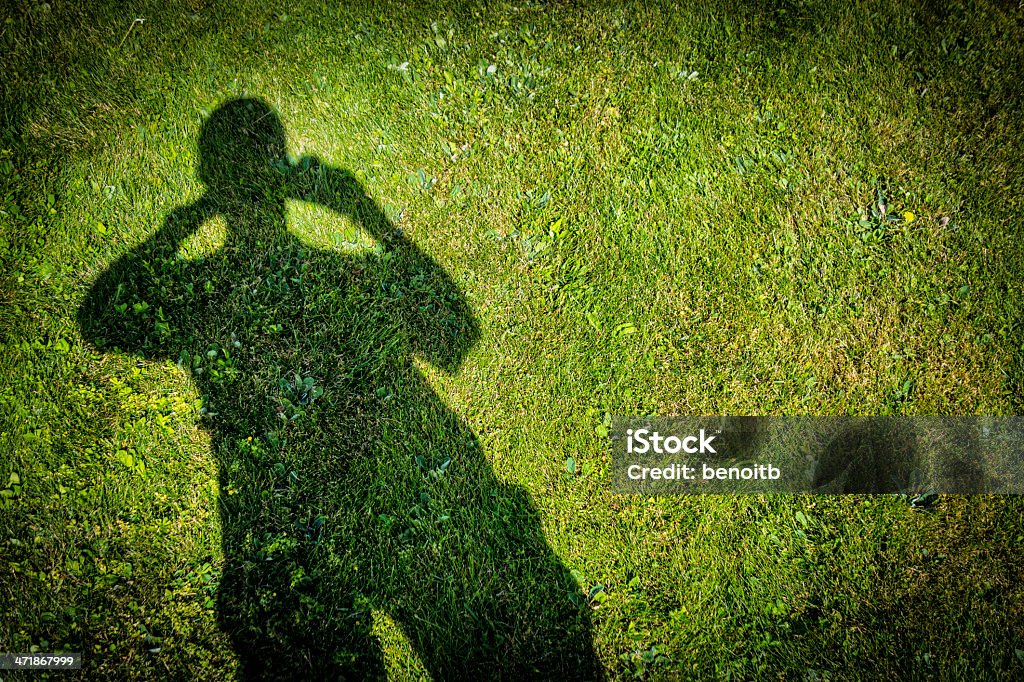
(440, 323)
(108, 315)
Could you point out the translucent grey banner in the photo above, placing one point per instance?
(821, 455)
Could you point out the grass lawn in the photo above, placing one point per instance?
(313, 320)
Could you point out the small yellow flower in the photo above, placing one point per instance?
(909, 216)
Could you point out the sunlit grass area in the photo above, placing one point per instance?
(313, 320)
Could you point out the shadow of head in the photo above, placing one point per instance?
(242, 151)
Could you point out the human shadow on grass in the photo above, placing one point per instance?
(347, 488)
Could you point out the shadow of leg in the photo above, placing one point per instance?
(290, 613)
(474, 586)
